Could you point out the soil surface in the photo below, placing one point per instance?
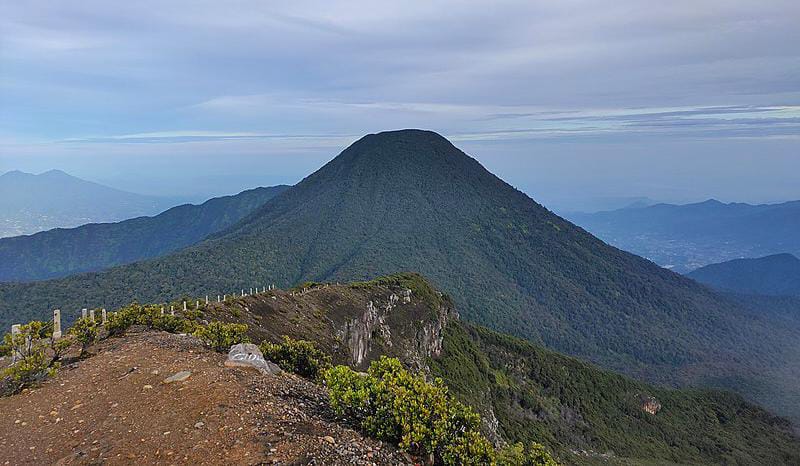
(114, 407)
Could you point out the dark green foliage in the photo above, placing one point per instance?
(420, 288)
(409, 200)
(220, 336)
(85, 332)
(149, 315)
(392, 405)
(776, 275)
(61, 252)
(299, 356)
(541, 396)
(31, 347)
(518, 454)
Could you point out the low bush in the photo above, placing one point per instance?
(30, 350)
(518, 455)
(150, 316)
(85, 332)
(220, 336)
(391, 404)
(299, 356)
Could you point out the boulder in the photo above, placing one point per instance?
(248, 355)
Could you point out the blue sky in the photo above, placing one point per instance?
(569, 101)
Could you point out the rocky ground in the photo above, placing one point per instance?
(119, 407)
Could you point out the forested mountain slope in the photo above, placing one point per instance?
(776, 275)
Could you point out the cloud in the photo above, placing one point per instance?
(152, 77)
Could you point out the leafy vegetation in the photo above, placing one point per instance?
(220, 336)
(152, 316)
(775, 275)
(569, 405)
(392, 405)
(409, 200)
(33, 360)
(299, 356)
(420, 288)
(85, 331)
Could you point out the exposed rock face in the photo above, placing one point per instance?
(354, 323)
(373, 331)
(650, 405)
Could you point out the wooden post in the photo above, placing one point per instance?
(56, 324)
(83, 313)
(15, 330)
(105, 315)
(91, 315)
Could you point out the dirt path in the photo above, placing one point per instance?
(114, 408)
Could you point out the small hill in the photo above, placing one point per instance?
(116, 408)
(410, 200)
(96, 246)
(686, 237)
(524, 392)
(54, 199)
(776, 275)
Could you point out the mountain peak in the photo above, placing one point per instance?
(56, 173)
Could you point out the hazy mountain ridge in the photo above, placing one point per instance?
(409, 200)
(54, 199)
(686, 237)
(775, 275)
(61, 252)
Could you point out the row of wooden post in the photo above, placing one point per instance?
(57, 333)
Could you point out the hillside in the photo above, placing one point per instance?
(96, 246)
(526, 393)
(54, 199)
(410, 200)
(685, 237)
(117, 408)
(776, 275)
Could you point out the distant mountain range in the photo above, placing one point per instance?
(686, 237)
(411, 201)
(60, 252)
(30, 203)
(776, 275)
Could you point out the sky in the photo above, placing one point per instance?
(578, 103)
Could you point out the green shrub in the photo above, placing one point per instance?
(85, 332)
(173, 324)
(391, 404)
(30, 349)
(220, 336)
(118, 322)
(299, 356)
(148, 315)
(517, 455)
